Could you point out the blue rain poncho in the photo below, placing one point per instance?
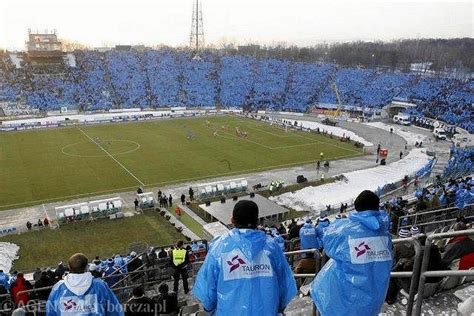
(245, 273)
(308, 237)
(82, 294)
(355, 280)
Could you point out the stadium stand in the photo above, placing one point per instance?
(167, 77)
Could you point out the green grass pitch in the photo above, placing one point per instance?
(41, 166)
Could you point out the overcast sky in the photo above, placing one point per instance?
(301, 22)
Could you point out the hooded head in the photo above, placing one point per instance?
(245, 214)
(367, 201)
(92, 267)
(78, 263)
(414, 230)
(404, 233)
(78, 281)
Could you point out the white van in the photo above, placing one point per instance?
(439, 133)
(402, 119)
(462, 140)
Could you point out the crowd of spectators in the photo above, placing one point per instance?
(166, 77)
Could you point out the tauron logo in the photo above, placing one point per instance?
(361, 249)
(235, 263)
(69, 304)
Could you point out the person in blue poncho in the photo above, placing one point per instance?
(82, 294)
(245, 271)
(355, 280)
(322, 223)
(308, 236)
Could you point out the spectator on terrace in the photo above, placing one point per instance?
(241, 261)
(80, 291)
(459, 254)
(360, 249)
(46, 222)
(134, 263)
(93, 269)
(167, 302)
(162, 254)
(136, 204)
(321, 224)
(40, 223)
(180, 261)
(183, 198)
(170, 200)
(60, 270)
(4, 279)
(139, 304)
(17, 288)
(44, 281)
(29, 225)
(191, 194)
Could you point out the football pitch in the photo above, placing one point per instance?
(40, 166)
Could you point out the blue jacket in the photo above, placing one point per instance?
(81, 295)
(4, 280)
(278, 239)
(308, 237)
(245, 273)
(355, 280)
(320, 231)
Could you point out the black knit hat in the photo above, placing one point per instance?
(245, 214)
(367, 201)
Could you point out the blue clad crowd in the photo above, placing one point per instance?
(167, 77)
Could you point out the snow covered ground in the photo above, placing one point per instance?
(409, 136)
(8, 254)
(316, 198)
(336, 131)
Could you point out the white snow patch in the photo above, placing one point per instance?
(409, 136)
(8, 254)
(336, 131)
(316, 198)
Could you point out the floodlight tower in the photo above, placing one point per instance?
(196, 40)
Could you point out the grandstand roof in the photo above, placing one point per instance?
(223, 211)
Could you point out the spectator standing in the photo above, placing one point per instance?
(60, 270)
(170, 200)
(180, 261)
(136, 204)
(227, 280)
(191, 194)
(183, 198)
(139, 304)
(459, 252)
(80, 291)
(18, 286)
(29, 225)
(134, 263)
(162, 254)
(360, 249)
(167, 302)
(4, 280)
(93, 269)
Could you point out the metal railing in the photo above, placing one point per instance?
(421, 219)
(424, 274)
(414, 275)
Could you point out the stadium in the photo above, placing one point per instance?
(118, 153)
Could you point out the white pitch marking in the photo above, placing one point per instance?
(113, 158)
